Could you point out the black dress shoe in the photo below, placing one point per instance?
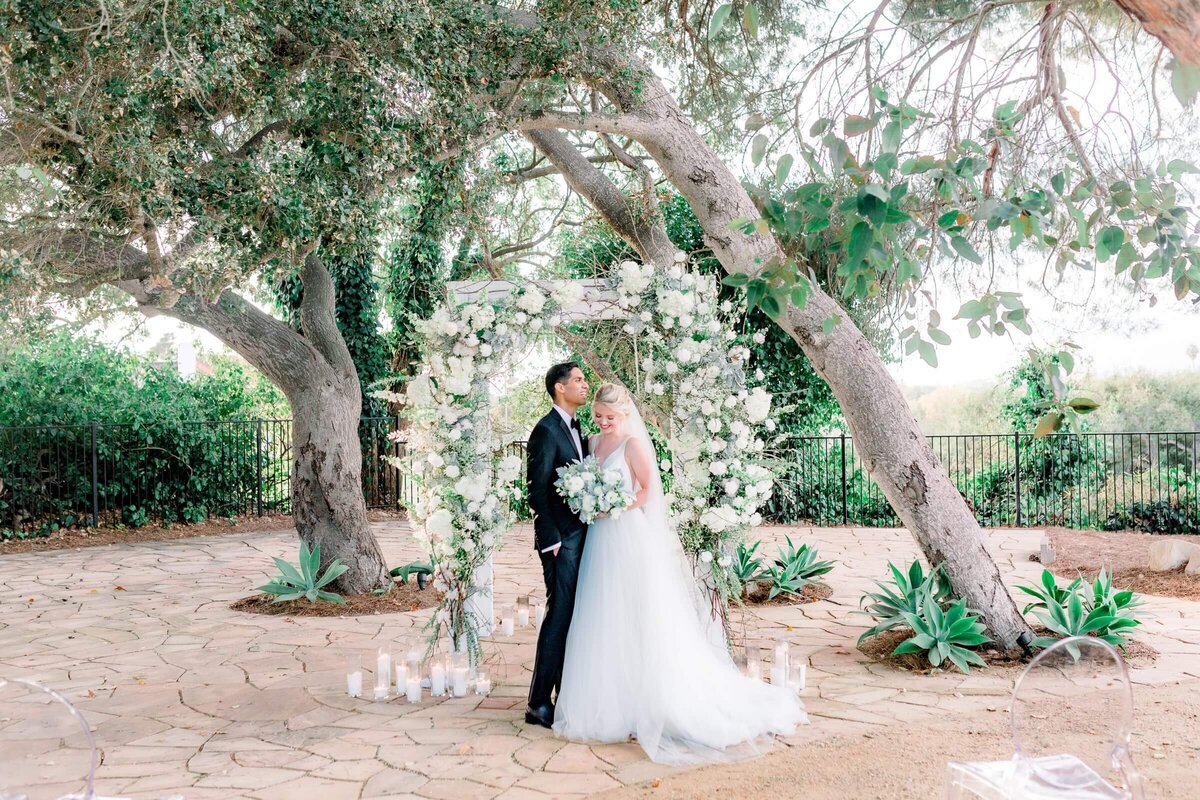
(542, 715)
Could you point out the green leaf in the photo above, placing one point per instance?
(1185, 81)
(856, 125)
(771, 306)
(948, 219)
(820, 126)
(750, 20)
(758, 148)
(861, 239)
(1084, 405)
(927, 352)
(964, 249)
(1109, 241)
(1048, 424)
(831, 322)
(1058, 183)
(891, 138)
(938, 335)
(736, 280)
(782, 168)
(719, 18)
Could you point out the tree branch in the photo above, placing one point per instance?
(647, 236)
(318, 317)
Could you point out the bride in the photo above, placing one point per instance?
(641, 658)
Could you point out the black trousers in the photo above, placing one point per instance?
(561, 574)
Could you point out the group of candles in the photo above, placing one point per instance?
(447, 675)
(522, 616)
(784, 670)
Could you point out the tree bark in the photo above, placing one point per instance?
(888, 440)
(1175, 23)
(314, 369)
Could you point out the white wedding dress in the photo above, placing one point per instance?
(641, 659)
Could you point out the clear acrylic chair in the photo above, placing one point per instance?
(46, 747)
(1072, 722)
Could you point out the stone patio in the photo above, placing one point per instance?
(188, 697)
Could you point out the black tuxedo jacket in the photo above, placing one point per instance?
(551, 446)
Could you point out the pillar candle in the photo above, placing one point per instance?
(523, 617)
(483, 683)
(414, 689)
(506, 626)
(460, 681)
(354, 683)
(401, 677)
(540, 614)
(437, 678)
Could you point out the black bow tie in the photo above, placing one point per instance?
(575, 424)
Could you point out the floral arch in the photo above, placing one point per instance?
(692, 372)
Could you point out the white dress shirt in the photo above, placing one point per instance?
(575, 437)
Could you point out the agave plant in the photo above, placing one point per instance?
(747, 566)
(889, 605)
(292, 583)
(1049, 593)
(802, 561)
(943, 635)
(1103, 612)
(794, 569)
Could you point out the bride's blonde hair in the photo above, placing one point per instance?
(616, 397)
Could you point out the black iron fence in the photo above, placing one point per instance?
(130, 474)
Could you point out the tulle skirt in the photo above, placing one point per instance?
(642, 659)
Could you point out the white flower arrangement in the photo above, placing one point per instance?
(692, 358)
(591, 490)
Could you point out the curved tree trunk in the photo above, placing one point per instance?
(888, 440)
(314, 369)
(327, 493)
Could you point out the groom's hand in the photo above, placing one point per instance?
(554, 552)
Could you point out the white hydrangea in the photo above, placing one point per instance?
(440, 524)
(758, 405)
(531, 301)
(508, 469)
(567, 294)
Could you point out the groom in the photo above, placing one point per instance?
(558, 534)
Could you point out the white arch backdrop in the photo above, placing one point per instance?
(692, 374)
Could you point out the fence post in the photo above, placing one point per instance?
(1017, 450)
(95, 478)
(399, 473)
(258, 467)
(845, 505)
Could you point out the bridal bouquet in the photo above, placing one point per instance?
(591, 490)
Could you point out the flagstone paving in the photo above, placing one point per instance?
(187, 697)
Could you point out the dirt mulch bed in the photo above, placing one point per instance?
(72, 538)
(811, 593)
(1125, 554)
(404, 597)
(879, 648)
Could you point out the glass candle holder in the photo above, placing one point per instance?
(460, 672)
(354, 674)
(483, 683)
(523, 611)
(413, 689)
(437, 677)
(539, 614)
(797, 676)
(506, 625)
(383, 674)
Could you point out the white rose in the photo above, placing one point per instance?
(714, 425)
(574, 484)
(567, 294)
(665, 465)
(724, 561)
(717, 468)
(485, 350)
(770, 423)
(435, 460)
(487, 540)
(450, 328)
(453, 471)
(730, 401)
(508, 469)
(756, 519)
(706, 557)
(535, 325)
(759, 337)
(731, 486)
